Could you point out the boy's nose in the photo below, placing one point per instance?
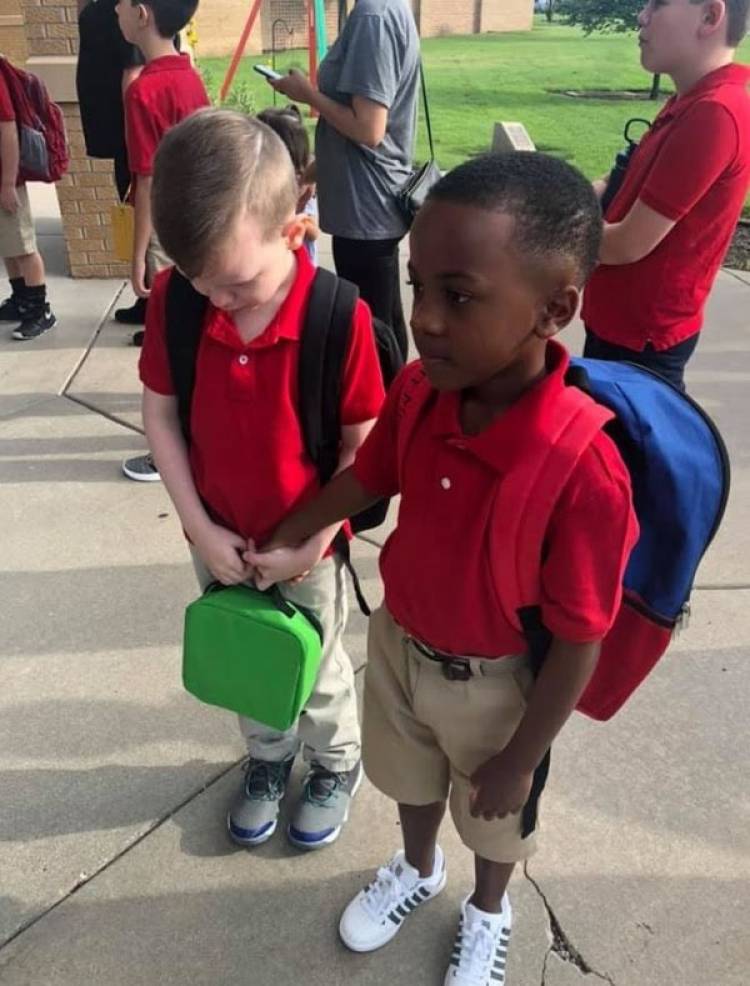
(426, 318)
(644, 16)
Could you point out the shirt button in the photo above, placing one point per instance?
(445, 483)
(242, 359)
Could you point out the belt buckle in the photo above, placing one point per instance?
(457, 669)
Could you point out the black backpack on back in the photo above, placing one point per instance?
(323, 349)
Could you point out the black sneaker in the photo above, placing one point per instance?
(135, 315)
(34, 324)
(11, 310)
(138, 338)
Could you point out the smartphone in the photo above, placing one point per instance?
(267, 72)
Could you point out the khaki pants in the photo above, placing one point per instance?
(327, 731)
(156, 259)
(424, 736)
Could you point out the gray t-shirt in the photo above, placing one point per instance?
(377, 57)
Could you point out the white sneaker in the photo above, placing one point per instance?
(481, 947)
(377, 912)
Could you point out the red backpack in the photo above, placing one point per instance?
(43, 144)
(680, 476)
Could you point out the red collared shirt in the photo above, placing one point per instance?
(7, 112)
(167, 90)
(693, 166)
(437, 566)
(247, 452)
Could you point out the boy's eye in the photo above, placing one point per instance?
(457, 297)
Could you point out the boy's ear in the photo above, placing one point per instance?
(558, 312)
(714, 15)
(294, 232)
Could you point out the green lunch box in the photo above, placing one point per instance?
(251, 652)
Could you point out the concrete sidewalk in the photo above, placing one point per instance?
(114, 863)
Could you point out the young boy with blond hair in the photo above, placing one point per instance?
(224, 198)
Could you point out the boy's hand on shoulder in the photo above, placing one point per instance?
(499, 788)
(221, 552)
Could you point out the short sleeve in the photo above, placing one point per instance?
(371, 65)
(376, 464)
(7, 112)
(142, 133)
(590, 537)
(703, 143)
(153, 366)
(363, 391)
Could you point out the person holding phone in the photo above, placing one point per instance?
(366, 96)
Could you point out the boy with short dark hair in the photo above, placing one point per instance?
(225, 196)
(668, 228)
(499, 254)
(167, 91)
(27, 303)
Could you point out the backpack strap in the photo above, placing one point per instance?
(323, 349)
(184, 314)
(537, 482)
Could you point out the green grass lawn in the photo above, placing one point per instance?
(477, 80)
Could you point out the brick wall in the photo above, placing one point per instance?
(506, 15)
(87, 192)
(12, 35)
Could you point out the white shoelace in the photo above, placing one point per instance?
(477, 955)
(385, 893)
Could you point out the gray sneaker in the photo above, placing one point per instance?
(253, 817)
(323, 807)
(142, 469)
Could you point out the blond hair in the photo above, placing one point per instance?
(209, 169)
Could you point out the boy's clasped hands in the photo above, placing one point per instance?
(233, 559)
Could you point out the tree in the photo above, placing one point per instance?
(606, 15)
(549, 10)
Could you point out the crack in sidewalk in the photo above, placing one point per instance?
(560, 944)
(86, 878)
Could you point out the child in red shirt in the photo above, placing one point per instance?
(27, 304)
(240, 242)
(668, 228)
(452, 712)
(166, 91)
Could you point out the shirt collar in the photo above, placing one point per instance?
(176, 62)
(733, 74)
(507, 438)
(287, 323)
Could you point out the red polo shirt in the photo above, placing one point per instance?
(247, 452)
(167, 90)
(437, 566)
(7, 112)
(693, 166)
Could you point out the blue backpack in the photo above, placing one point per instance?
(680, 476)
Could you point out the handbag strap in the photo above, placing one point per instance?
(426, 110)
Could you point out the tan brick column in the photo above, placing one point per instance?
(87, 192)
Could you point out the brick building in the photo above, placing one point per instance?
(220, 22)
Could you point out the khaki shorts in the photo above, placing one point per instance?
(423, 736)
(156, 258)
(17, 236)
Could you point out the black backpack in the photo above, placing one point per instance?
(323, 349)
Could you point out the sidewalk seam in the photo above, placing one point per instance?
(87, 878)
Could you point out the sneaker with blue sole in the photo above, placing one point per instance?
(254, 814)
(324, 806)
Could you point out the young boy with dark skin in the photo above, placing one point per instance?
(499, 255)
(668, 228)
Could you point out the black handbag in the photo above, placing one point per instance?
(412, 194)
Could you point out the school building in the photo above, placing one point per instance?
(220, 22)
